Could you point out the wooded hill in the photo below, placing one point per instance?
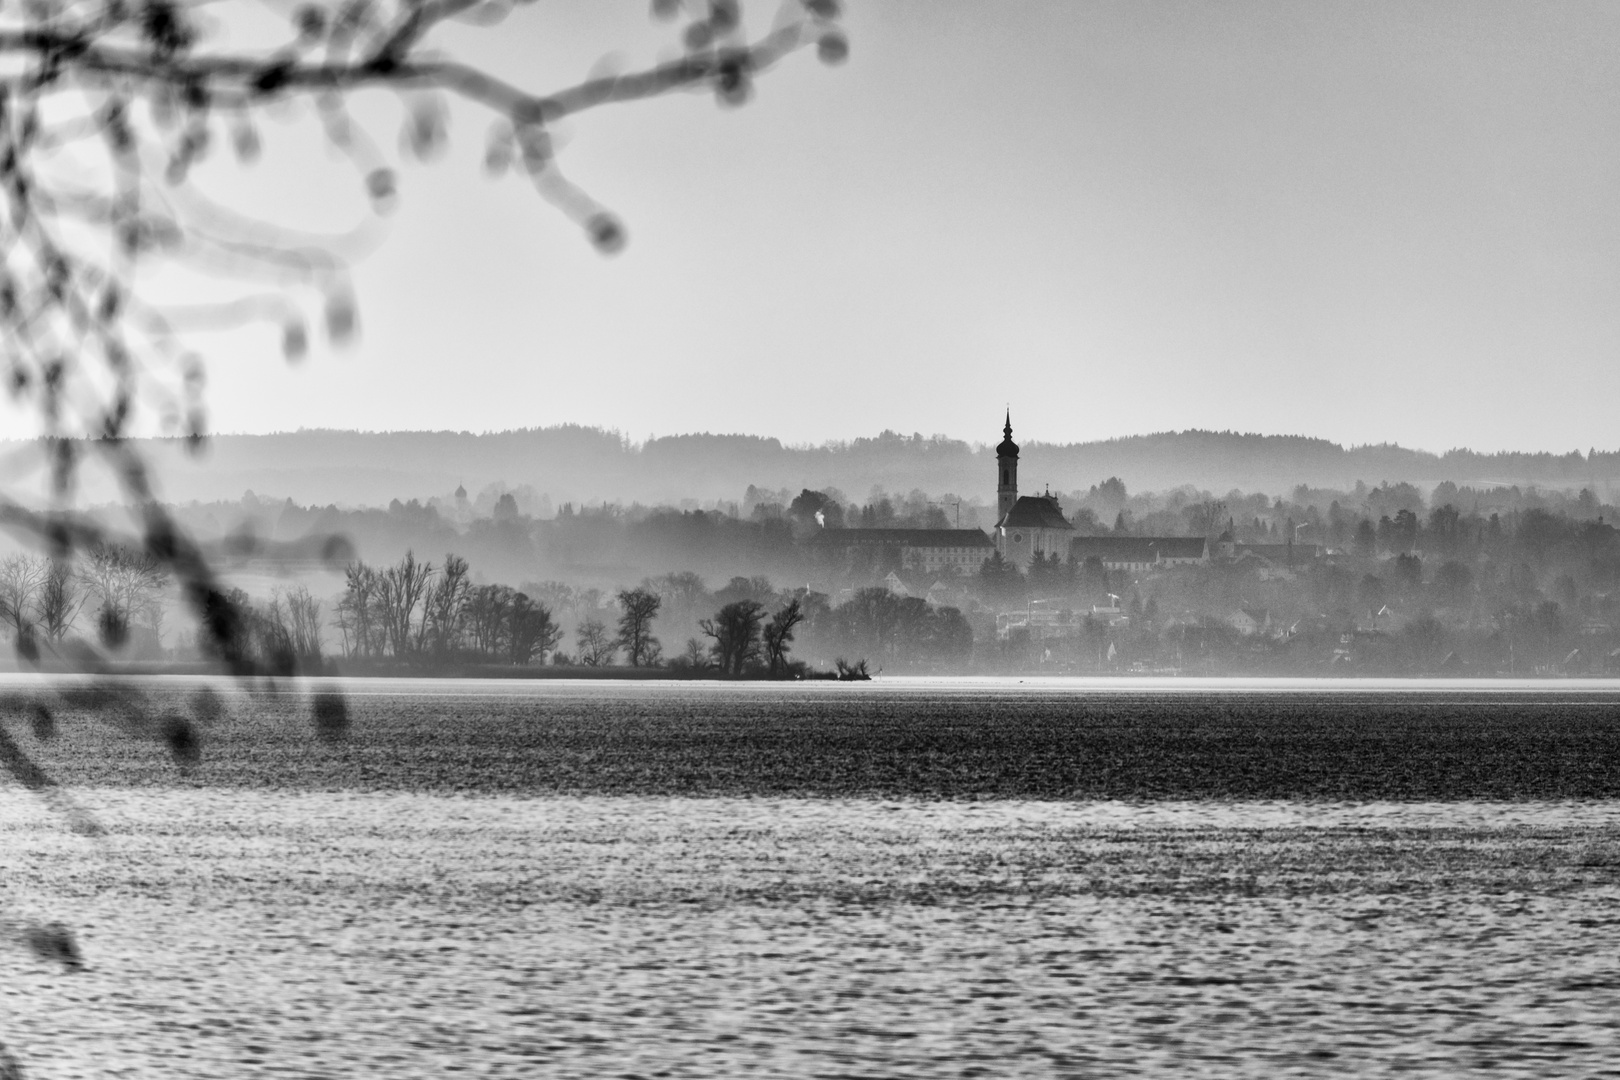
(580, 465)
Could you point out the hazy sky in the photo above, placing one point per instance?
(1362, 221)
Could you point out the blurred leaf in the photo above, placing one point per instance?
(310, 22)
(535, 144)
(731, 82)
(424, 136)
(381, 185)
(331, 716)
(698, 36)
(53, 941)
(832, 48)
(196, 434)
(498, 154)
(245, 140)
(294, 341)
(338, 551)
(342, 320)
(606, 233)
(724, 16)
(182, 741)
(488, 14)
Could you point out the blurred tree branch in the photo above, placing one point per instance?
(105, 106)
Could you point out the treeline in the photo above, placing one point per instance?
(575, 464)
(871, 625)
(415, 612)
(1444, 591)
(763, 532)
(1320, 515)
(42, 599)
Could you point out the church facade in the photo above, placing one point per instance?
(1027, 525)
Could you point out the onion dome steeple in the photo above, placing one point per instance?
(1006, 472)
(1008, 448)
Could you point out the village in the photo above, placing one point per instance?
(1481, 593)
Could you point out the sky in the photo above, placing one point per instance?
(1364, 222)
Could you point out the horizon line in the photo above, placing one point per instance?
(886, 435)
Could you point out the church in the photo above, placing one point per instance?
(1026, 526)
(1029, 525)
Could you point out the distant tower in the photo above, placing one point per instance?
(1006, 472)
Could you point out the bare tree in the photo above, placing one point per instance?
(357, 616)
(399, 590)
(596, 646)
(489, 618)
(695, 655)
(276, 648)
(21, 579)
(735, 632)
(637, 608)
(126, 582)
(531, 633)
(556, 595)
(61, 596)
(446, 607)
(778, 634)
(682, 590)
(1204, 518)
(587, 603)
(304, 624)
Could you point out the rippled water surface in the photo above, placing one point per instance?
(299, 925)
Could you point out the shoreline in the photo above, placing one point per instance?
(572, 673)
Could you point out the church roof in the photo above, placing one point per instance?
(1035, 512)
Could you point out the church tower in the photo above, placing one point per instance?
(1006, 472)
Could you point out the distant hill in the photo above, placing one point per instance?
(579, 464)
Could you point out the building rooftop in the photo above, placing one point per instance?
(1035, 512)
(1137, 548)
(1278, 551)
(917, 538)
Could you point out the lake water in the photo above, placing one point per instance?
(900, 879)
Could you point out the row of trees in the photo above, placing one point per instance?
(745, 641)
(895, 631)
(1525, 640)
(414, 611)
(754, 633)
(284, 633)
(41, 598)
(411, 611)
